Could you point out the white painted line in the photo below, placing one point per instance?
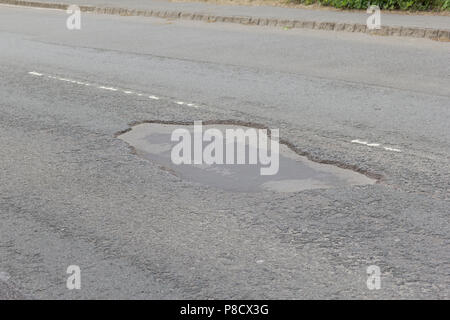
(359, 141)
(374, 145)
(188, 104)
(108, 88)
(125, 91)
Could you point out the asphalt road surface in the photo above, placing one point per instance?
(71, 193)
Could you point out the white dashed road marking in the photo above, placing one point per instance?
(392, 149)
(35, 73)
(108, 88)
(375, 145)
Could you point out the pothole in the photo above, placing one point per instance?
(152, 141)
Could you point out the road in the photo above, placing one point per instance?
(71, 193)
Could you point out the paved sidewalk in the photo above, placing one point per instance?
(429, 26)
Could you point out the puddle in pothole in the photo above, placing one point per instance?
(152, 141)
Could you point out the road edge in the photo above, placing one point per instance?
(414, 32)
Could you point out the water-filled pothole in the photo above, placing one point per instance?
(152, 141)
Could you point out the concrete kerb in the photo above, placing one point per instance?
(429, 33)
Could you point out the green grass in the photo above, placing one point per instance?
(407, 5)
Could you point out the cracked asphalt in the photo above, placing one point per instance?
(71, 193)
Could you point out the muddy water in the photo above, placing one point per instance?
(296, 173)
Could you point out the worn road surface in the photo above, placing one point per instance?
(71, 193)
